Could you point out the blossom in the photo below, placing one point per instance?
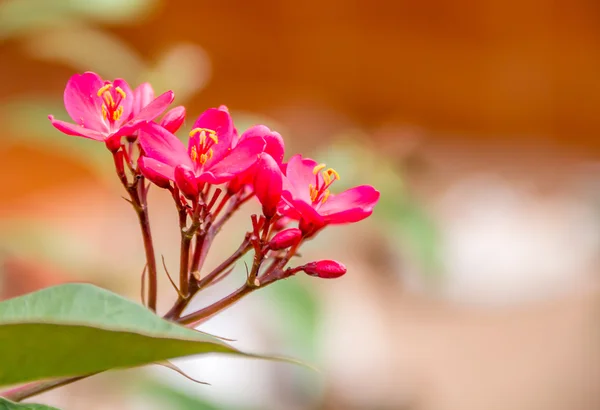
(307, 197)
(208, 158)
(102, 110)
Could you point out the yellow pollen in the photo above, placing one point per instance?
(325, 196)
(121, 92)
(202, 137)
(318, 168)
(194, 154)
(110, 99)
(203, 159)
(213, 136)
(210, 153)
(104, 89)
(326, 178)
(313, 193)
(104, 112)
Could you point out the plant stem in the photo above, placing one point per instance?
(137, 193)
(141, 209)
(198, 317)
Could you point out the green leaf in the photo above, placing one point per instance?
(9, 405)
(77, 329)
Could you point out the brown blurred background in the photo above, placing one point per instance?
(475, 284)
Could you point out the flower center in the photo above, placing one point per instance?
(319, 192)
(202, 151)
(111, 102)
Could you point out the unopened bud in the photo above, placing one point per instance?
(113, 143)
(186, 181)
(326, 269)
(151, 175)
(285, 239)
(268, 184)
(173, 119)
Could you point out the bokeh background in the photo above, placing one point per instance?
(475, 283)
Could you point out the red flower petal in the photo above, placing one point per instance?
(239, 159)
(275, 146)
(173, 119)
(76, 130)
(156, 171)
(82, 101)
(161, 145)
(142, 96)
(156, 107)
(352, 205)
(299, 172)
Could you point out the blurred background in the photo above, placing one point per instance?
(475, 283)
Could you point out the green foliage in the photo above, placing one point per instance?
(77, 329)
(9, 405)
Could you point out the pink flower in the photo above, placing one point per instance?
(267, 183)
(102, 110)
(209, 157)
(274, 146)
(307, 197)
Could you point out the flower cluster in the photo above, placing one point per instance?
(209, 178)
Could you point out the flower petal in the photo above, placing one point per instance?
(156, 107)
(129, 129)
(142, 96)
(173, 119)
(299, 172)
(76, 130)
(151, 167)
(352, 205)
(82, 101)
(240, 158)
(275, 146)
(219, 121)
(161, 145)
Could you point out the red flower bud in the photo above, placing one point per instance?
(326, 269)
(268, 184)
(186, 181)
(151, 175)
(113, 143)
(173, 119)
(285, 239)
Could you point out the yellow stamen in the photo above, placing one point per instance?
(121, 92)
(203, 159)
(326, 178)
(213, 136)
(333, 172)
(104, 112)
(318, 168)
(325, 196)
(313, 193)
(117, 114)
(202, 137)
(104, 89)
(194, 154)
(210, 153)
(108, 98)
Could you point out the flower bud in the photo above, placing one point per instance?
(326, 269)
(268, 184)
(151, 175)
(113, 143)
(173, 119)
(285, 239)
(186, 181)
